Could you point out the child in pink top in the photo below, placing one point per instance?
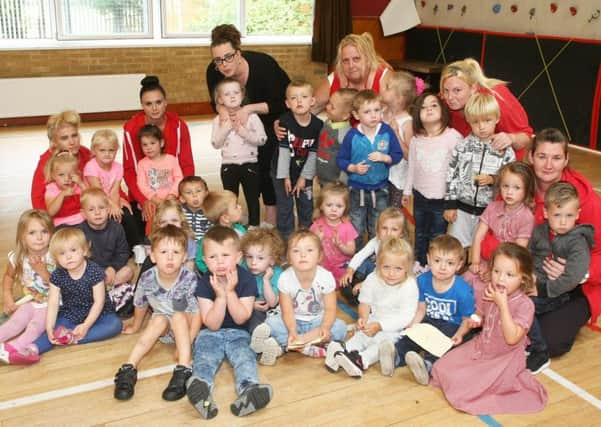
(429, 154)
(63, 189)
(335, 231)
(488, 374)
(159, 174)
(507, 220)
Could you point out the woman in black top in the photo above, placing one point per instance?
(265, 82)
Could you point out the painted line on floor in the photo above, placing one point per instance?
(82, 388)
(572, 387)
(488, 420)
(348, 310)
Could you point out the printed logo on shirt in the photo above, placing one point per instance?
(305, 301)
(440, 308)
(299, 147)
(382, 145)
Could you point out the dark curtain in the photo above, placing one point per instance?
(333, 21)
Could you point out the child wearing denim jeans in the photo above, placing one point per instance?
(297, 158)
(307, 303)
(366, 155)
(446, 301)
(226, 297)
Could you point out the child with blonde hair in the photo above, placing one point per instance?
(307, 303)
(79, 310)
(29, 267)
(333, 228)
(398, 94)
(387, 305)
(63, 189)
(473, 169)
(496, 379)
(239, 144)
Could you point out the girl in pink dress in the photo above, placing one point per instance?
(334, 229)
(488, 374)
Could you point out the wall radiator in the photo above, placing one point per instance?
(42, 96)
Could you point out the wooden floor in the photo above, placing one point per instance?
(73, 386)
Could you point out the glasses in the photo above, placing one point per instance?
(225, 59)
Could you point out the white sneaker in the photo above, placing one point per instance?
(266, 224)
(271, 351)
(417, 366)
(4, 355)
(331, 363)
(386, 354)
(259, 336)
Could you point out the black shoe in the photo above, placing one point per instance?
(177, 385)
(537, 361)
(125, 382)
(199, 395)
(254, 397)
(351, 362)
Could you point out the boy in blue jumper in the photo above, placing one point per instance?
(367, 153)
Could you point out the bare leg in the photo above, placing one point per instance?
(156, 327)
(181, 331)
(270, 214)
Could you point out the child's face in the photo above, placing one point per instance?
(513, 190)
(36, 237)
(369, 114)
(151, 147)
(431, 111)
(484, 127)
(71, 255)
(230, 95)
(105, 153)
(389, 95)
(221, 257)
(304, 254)
(96, 212)
(392, 227)
(234, 212)
(300, 99)
(392, 268)
(258, 259)
(193, 195)
(444, 265)
(66, 138)
(333, 207)
(62, 175)
(169, 256)
(170, 217)
(336, 109)
(505, 275)
(563, 218)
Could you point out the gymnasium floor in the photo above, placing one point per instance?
(73, 385)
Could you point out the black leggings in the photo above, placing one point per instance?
(247, 174)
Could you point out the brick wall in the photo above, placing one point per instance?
(181, 69)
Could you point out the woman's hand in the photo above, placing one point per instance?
(239, 117)
(405, 200)
(280, 132)
(554, 267)
(501, 141)
(147, 210)
(115, 211)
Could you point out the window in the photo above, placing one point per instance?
(61, 22)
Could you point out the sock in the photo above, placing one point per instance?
(314, 351)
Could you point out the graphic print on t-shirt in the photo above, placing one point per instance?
(440, 308)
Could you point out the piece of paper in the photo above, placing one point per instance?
(399, 16)
(300, 344)
(429, 338)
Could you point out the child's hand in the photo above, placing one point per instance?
(360, 168)
(38, 264)
(287, 186)
(69, 191)
(261, 306)
(218, 288)
(456, 339)
(77, 179)
(268, 274)
(361, 323)
(300, 186)
(496, 294)
(292, 337)
(50, 333)
(325, 334)
(128, 330)
(377, 156)
(370, 329)
(357, 288)
(80, 332)
(347, 278)
(450, 215)
(475, 267)
(320, 233)
(474, 321)
(405, 200)
(9, 303)
(232, 280)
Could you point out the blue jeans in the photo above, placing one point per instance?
(543, 305)
(106, 326)
(365, 209)
(405, 344)
(280, 332)
(429, 223)
(285, 208)
(211, 347)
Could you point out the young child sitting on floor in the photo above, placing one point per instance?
(192, 192)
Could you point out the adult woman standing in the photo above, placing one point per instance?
(549, 157)
(63, 133)
(358, 66)
(265, 84)
(460, 80)
(177, 139)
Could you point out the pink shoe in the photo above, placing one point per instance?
(28, 356)
(64, 336)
